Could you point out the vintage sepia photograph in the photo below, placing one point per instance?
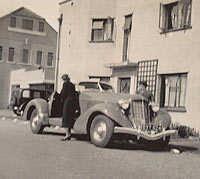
(94, 89)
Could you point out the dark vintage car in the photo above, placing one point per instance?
(103, 115)
(21, 96)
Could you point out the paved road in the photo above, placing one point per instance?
(25, 155)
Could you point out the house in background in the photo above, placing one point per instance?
(124, 42)
(27, 42)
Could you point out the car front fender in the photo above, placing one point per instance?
(162, 118)
(112, 111)
(40, 104)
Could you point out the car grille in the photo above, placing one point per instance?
(140, 114)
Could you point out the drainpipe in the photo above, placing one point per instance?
(60, 19)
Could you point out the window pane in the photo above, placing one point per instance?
(97, 35)
(175, 90)
(41, 27)
(27, 24)
(175, 15)
(50, 59)
(102, 29)
(13, 22)
(11, 55)
(25, 56)
(1, 53)
(39, 58)
(97, 24)
(125, 85)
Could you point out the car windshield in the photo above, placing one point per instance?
(106, 87)
(94, 85)
(89, 85)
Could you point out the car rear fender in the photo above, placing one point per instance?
(40, 104)
(84, 121)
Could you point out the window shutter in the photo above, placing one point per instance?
(109, 29)
(128, 22)
(162, 17)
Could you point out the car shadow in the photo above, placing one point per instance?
(126, 145)
(53, 133)
(169, 148)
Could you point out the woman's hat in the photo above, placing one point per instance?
(65, 77)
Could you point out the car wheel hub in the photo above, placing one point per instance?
(35, 121)
(99, 131)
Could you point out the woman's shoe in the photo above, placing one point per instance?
(66, 138)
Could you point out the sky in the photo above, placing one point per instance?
(48, 9)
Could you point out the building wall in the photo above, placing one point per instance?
(18, 39)
(176, 51)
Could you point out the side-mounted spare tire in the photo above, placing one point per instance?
(101, 131)
(35, 123)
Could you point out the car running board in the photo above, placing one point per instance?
(55, 121)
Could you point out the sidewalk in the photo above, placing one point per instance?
(6, 113)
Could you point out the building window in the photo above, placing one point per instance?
(41, 27)
(124, 85)
(27, 24)
(102, 29)
(176, 15)
(13, 21)
(11, 55)
(173, 91)
(25, 56)
(39, 58)
(1, 53)
(50, 60)
(127, 37)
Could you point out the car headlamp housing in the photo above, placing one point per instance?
(155, 107)
(124, 104)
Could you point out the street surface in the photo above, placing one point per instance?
(24, 155)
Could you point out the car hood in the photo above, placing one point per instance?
(109, 96)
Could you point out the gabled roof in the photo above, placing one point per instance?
(22, 11)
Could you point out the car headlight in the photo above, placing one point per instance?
(124, 104)
(155, 107)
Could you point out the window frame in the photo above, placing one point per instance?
(50, 54)
(11, 55)
(27, 24)
(41, 28)
(127, 37)
(106, 30)
(166, 24)
(39, 57)
(177, 91)
(13, 21)
(124, 81)
(1, 53)
(23, 55)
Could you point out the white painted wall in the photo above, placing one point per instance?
(176, 51)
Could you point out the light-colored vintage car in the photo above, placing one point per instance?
(102, 115)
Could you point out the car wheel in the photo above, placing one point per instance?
(35, 123)
(101, 131)
(159, 144)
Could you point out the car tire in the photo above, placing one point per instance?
(159, 144)
(101, 131)
(35, 123)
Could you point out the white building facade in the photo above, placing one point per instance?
(124, 42)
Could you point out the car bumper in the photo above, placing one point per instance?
(143, 134)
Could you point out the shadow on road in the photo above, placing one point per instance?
(125, 145)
